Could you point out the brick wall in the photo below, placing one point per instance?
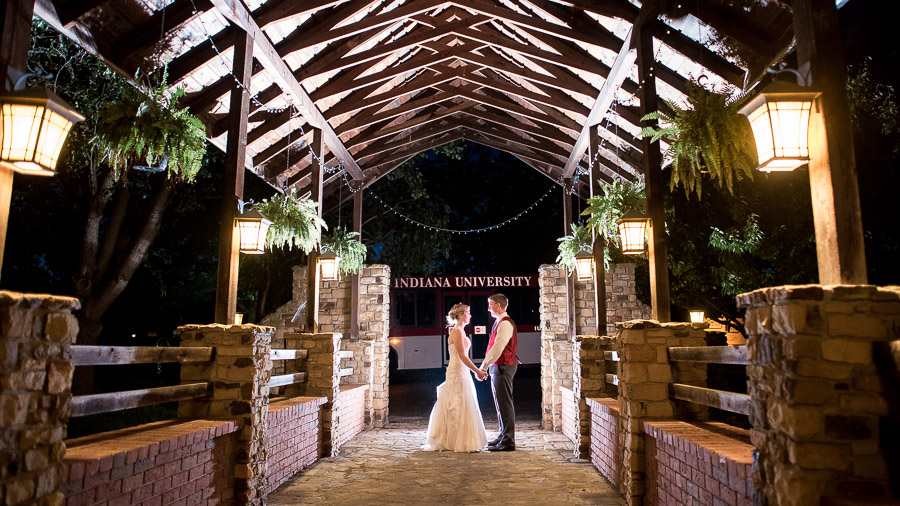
(704, 463)
(569, 415)
(606, 453)
(350, 414)
(162, 463)
(294, 439)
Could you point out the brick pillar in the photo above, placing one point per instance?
(644, 376)
(36, 334)
(817, 391)
(239, 373)
(589, 381)
(323, 379)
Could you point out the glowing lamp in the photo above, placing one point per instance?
(238, 318)
(697, 316)
(632, 232)
(584, 266)
(253, 227)
(395, 341)
(34, 124)
(779, 117)
(329, 262)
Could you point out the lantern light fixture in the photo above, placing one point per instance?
(584, 266)
(697, 316)
(632, 232)
(34, 124)
(328, 262)
(779, 117)
(253, 227)
(238, 318)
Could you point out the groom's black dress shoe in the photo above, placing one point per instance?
(495, 441)
(503, 446)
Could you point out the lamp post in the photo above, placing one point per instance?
(584, 266)
(779, 117)
(632, 232)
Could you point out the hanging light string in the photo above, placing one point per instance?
(254, 98)
(452, 230)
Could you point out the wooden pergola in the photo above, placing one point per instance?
(316, 94)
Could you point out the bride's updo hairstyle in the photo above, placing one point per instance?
(456, 312)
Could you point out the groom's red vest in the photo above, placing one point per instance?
(508, 357)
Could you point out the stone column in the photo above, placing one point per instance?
(36, 334)
(239, 374)
(589, 381)
(817, 391)
(554, 329)
(323, 378)
(374, 327)
(644, 377)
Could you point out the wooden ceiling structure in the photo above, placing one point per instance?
(387, 79)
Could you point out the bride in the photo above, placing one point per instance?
(456, 422)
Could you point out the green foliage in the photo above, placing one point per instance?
(872, 103)
(345, 245)
(707, 137)
(570, 245)
(615, 200)
(295, 222)
(138, 128)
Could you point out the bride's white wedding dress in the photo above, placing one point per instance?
(456, 423)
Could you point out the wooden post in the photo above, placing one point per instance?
(15, 38)
(312, 278)
(354, 281)
(233, 187)
(653, 180)
(599, 241)
(568, 184)
(832, 165)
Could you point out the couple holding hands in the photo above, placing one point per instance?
(455, 422)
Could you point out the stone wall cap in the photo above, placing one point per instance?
(35, 300)
(776, 294)
(653, 324)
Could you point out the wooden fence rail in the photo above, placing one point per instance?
(122, 355)
(288, 354)
(710, 354)
(84, 405)
(728, 401)
(287, 379)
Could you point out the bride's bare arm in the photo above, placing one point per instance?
(456, 341)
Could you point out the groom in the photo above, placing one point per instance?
(501, 362)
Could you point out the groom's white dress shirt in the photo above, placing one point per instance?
(504, 334)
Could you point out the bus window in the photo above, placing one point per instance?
(415, 309)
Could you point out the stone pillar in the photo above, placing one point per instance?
(817, 392)
(36, 334)
(239, 374)
(552, 283)
(644, 377)
(323, 377)
(589, 381)
(374, 327)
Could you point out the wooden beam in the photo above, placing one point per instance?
(354, 280)
(287, 379)
(832, 165)
(599, 242)
(570, 280)
(312, 272)
(709, 354)
(282, 354)
(237, 13)
(655, 187)
(719, 399)
(83, 405)
(233, 185)
(147, 35)
(70, 11)
(118, 355)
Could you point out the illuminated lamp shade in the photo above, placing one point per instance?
(697, 316)
(395, 341)
(632, 232)
(584, 266)
(253, 227)
(34, 124)
(779, 118)
(238, 318)
(329, 262)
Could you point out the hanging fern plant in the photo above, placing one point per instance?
(614, 200)
(139, 128)
(570, 245)
(351, 252)
(295, 222)
(707, 137)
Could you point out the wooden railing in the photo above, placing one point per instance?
(720, 399)
(290, 378)
(611, 356)
(83, 405)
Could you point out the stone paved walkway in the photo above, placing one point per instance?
(386, 466)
